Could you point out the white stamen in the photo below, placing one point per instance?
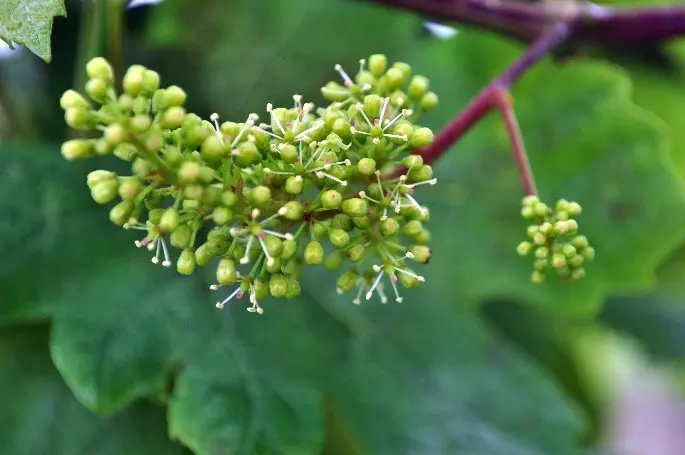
(321, 175)
(269, 109)
(429, 182)
(287, 235)
(411, 274)
(398, 299)
(383, 108)
(374, 285)
(221, 304)
(360, 108)
(344, 75)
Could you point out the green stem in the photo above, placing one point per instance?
(90, 38)
(115, 34)
(162, 167)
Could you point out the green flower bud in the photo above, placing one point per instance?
(578, 274)
(588, 253)
(141, 167)
(115, 134)
(172, 96)
(418, 87)
(404, 130)
(524, 248)
(422, 137)
(294, 184)
(228, 198)
(408, 281)
(394, 78)
(331, 199)
(73, 99)
(288, 152)
(97, 90)
(260, 195)
(130, 188)
(389, 227)
(574, 209)
(292, 210)
(261, 288)
(341, 127)
(412, 161)
(378, 64)
(342, 221)
(150, 81)
(180, 237)
(361, 222)
(77, 118)
(102, 147)
(289, 249)
(126, 102)
(170, 220)
(190, 204)
(539, 239)
(558, 261)
(334, 261)
(77, 149)
(274, 266)
(355, 207)
(121, 212)
(222, 215)
(278, 285)
(366, 166)
(542, 252)
(356, 252)
(294, 288)
(404, 67)
(372, 105)
(420, 253)
(225, 272)
(274, 245)
(172, 118)
(313, 253)
(189, 172)
(547, 228)
(424, 238)
(140, 123)
(339, 238)
(413, 228)
(580, 242)
(96, 177)
(105, 191)
(537, 277)
(213, 149)
(576, 260)
(541, 209)
(246, 154)
(421, 173)
(528, 213)
(186, 262)
(133, 80)
(203, 255)
(428, 101)
(193, 191)
(99, 68)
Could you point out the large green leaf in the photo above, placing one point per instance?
(29, 22)
(40, 415)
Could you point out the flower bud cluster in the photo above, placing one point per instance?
(305, 186)
(554, 240)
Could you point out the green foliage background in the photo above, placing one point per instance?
(103, 353)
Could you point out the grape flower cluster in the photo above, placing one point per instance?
(308, 185)
(554, 240)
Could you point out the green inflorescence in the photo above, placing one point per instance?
(308, 186)
(555, 242)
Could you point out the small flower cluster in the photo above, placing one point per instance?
(555, 240)
(307, 185)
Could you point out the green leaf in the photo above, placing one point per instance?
(40, 415)
(29, 22)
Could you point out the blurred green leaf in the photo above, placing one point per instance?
(29, 22)
(40, 415)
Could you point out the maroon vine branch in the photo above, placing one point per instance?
(547, 25)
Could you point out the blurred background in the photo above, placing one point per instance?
(103, 353)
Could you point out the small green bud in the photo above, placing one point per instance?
(578, 274)
(405, 68)
(528, 213)
(366, 166)
(186, 262)
(77, 149)
(389, 227)
(413, 228)
(126, 102)
(537, 277)
(540, 209)
(73, 99)
(418, 87)
(293, 184)
(378, 63)
(580, 242)
(189, 172)
(261, 288)
(140, 123)
(222, 215)
(121, 212)
(539, 238)
(422, 173)
(170, 220)
(428, 101)
(588, 253)
(97, 90)
(356, 252)
(341, 127)
(288, 152)
(408, 281)
(172, 96)
(154, 216)
(339, 238)
(372, 105)
(172, 118)
(225, 272)
(532, 230)
(361, 222)
(412, 161)
(278, 285)
(334, 261)
(260, 195)
(99, 68)
(203, 255)
(294, 288)
(292, 210)
(289, 249)
(576, 260)
(193, 191)
(102, 147)
(130, 188)
(313, 253)
(547, 228)
(342, 221)
(133, 80)
(77, 118)
(150, 81)
(180, 237)
(190, 204)
(524, 248)
(420, 253)
(394, 77)
(331, 199)
(568, 250)
(141, 167)
(228, 198)
(542, 252)
(213, 148)
(355, 207)
(115, 134)
(274, 245)
(423, 238)
(574, 209)
(247, 154)
(275, 265)
(96, 177)
(105, 191)
(558, 261)
(540, 265)
(319, 229)
(347, 281)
